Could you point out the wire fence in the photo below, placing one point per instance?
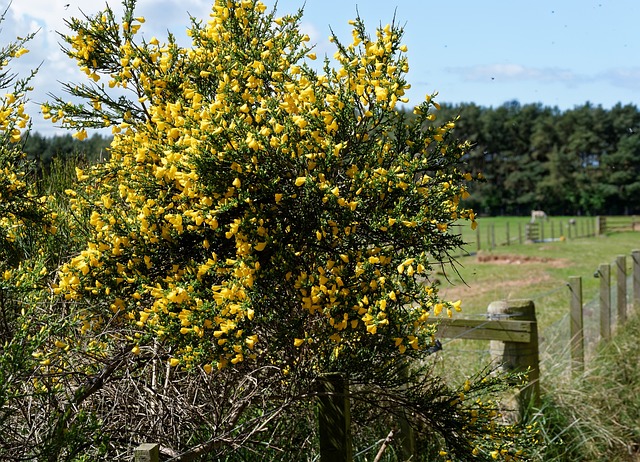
(558, 358)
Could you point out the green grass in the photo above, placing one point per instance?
(495, 232)
(589, 418)
(533, 270)
(595, 417)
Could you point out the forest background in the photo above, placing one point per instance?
(582, 161)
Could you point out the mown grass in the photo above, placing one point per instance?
(595, 416)
(503, 231)
(531, 270)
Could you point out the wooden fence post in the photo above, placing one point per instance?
(406, 435)
(479, 244)
(508, 235)
(621, 271)
(604, 273)
(491, 237)
(519, 233)
(147, 452)
(601, 225)
(334, 418)
(635, 256)
(518, 356)
(576, 331)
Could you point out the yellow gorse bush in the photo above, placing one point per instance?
(20, 206)
(254, 207)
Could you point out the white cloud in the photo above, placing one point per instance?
(623, 77)
(47, 17)
(516, 72)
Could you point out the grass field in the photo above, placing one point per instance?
(531, 270)
(588, 417)
(539, 272)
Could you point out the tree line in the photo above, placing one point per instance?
(583, 161)
(44, 149)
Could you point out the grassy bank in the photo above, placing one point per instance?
(592, 417)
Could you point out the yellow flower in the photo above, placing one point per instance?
(298, 341)
(299, 182)
(81, 135)
(20, 52)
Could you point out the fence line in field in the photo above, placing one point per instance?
(512, 329)
(548, 229)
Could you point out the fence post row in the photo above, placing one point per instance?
(606, 313)
(539, 230)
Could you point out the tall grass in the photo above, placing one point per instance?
(594, 417)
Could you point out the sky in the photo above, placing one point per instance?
(561, 53)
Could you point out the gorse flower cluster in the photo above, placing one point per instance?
(252, 204)
(19, 205)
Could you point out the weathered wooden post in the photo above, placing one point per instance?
(621, 272)
(334, 418)
(601, 225)
(604, 273)
(518, 356)
(576, 330)
(553, 233)
(406, 435)
(478, 238)
(508, 235)
(491, 237)
(147, 452)
(519, 233)
(635, 256)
